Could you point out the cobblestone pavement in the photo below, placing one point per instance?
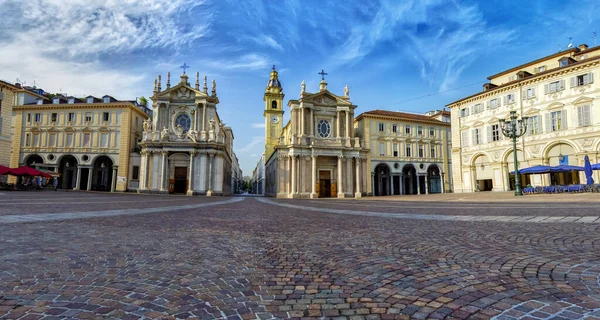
(196, 257)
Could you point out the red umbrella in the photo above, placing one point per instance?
(4, 170)
(25, 171)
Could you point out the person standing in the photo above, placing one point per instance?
(55, 183)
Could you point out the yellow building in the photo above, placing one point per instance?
(91, 142)
(559, 95)
(11, 95)
(409, 153)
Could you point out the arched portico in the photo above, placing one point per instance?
(68, 172)
(410, 180)
(102, 174)
(382, 180)
(434, 179)
(483, 176)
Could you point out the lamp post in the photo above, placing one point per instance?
(515, 128)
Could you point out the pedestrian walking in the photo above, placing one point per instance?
(55, 184)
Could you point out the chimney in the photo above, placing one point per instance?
(583, 47)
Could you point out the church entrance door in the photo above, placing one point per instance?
(324, 184)
(180, 180)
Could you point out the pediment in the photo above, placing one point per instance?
(532, 111)
(86, 129)
(582, 100)
(52, 129)
(555, 105)
(179, 92)
(493, 120)
(69, 129)
(103, 129)
(477, 124)
(35, 129)
(326, 98)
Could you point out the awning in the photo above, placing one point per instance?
(548, 169)
(27, 171)
(4, 170)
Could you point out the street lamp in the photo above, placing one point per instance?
(515, 128)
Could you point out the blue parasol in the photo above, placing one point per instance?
(587, 168)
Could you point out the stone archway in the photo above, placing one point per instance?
(509, 160)
(562, 154)
(33, 159)
(434, 179)
(102, 172)
(483, 174)
(68, 172)
(382, 180)
(409, 180)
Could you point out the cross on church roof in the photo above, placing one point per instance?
(323, 74)
(184, 66)
(273, 67)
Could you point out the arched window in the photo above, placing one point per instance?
(274, 104)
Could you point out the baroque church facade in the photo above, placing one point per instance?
(317, 153)
(186, 148)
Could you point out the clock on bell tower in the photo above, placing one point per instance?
(273, 113)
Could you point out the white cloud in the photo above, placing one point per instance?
(247, 62)
(442, 38)
(258, 125)
(65, 44)
(255, 144)
(267, 41)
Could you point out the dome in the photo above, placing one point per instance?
(274, 82)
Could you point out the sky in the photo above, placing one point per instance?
(398, 55)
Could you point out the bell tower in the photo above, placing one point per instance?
(273, 113)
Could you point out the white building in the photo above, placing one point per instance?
(186, 148)
(560, 96)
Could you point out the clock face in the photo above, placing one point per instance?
(274, 119)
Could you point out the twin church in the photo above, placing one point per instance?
(316, 154)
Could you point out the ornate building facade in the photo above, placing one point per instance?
(317, 153)
(186, 148)
(560, 96)
(409, 153)
(88, 141)
(12, 95)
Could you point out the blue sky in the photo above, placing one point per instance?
(387, 52)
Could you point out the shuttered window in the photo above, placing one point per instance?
(465, 138)
(534, 125)
(529, 93)
(582, 80)
(583, 115)
(555, 86)
(556, 120)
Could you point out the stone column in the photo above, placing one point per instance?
(113, 183)
(90, 176)
(313, 192)
(211, 156)
(347, 143)
(426, 184)
(418, 184)
(312, 123)
(203, 132)
(190, 191)
(164, 179)
(337, 125)
(302, 121)
(391, 184)
(357, 165)
(373, 183)
(339, 177)
(401, 184)
(146, 170)
(78, 180)
(294, 187)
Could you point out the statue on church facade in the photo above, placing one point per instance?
(303, 87)
(211, 132)
(346, 91)
(192, 135)
(164, 135)
(147, 125)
